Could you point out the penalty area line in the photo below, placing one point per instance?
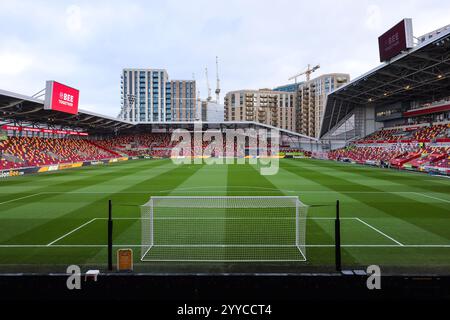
(380, 232)
(25, 197)
(70, 232)
(431, 197)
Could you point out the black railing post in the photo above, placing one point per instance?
(337, 234)
(110, 232)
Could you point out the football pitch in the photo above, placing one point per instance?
(397, 220)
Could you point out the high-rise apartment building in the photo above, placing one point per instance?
(275, 108)
(296, 107)
(147, 95)
(183, 101)
(311, 99)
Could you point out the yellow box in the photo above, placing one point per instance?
(125, 260)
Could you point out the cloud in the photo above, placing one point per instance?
(259, 43)
(14, 64)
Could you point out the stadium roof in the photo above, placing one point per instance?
(16, 108)
(420, 73)
(224, 124)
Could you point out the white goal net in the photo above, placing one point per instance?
(223, 229)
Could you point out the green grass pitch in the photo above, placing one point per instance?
(398, 220)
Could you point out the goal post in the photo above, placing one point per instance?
(223, 229)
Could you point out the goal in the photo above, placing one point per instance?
(223, 229)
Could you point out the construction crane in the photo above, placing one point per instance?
(207, 85)
(218, 81)
(307, 72)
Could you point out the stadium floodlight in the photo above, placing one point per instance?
(131, 101)
(223, 229)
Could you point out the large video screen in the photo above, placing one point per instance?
(396, 40)
(60, 97)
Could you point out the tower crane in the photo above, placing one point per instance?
(217, 81)
(307, 72)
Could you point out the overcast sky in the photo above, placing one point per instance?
(260, 44)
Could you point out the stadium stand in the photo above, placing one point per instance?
(429, 133)
(398, 147)
(430, 155)
(408, 147)
(139, 144)
(412, 133)
(19, 152)
(444, 163)
(383, 135)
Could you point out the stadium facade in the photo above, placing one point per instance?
(147, 95)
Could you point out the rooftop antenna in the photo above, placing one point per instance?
(218, 81)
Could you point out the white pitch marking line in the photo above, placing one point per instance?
(190, 190)
(70, 232)
(25, 197)
(431, 197)
(225, 246)
(312, 218)
(380, 232)
(230, 218)
(219, 261)
(308, 246)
